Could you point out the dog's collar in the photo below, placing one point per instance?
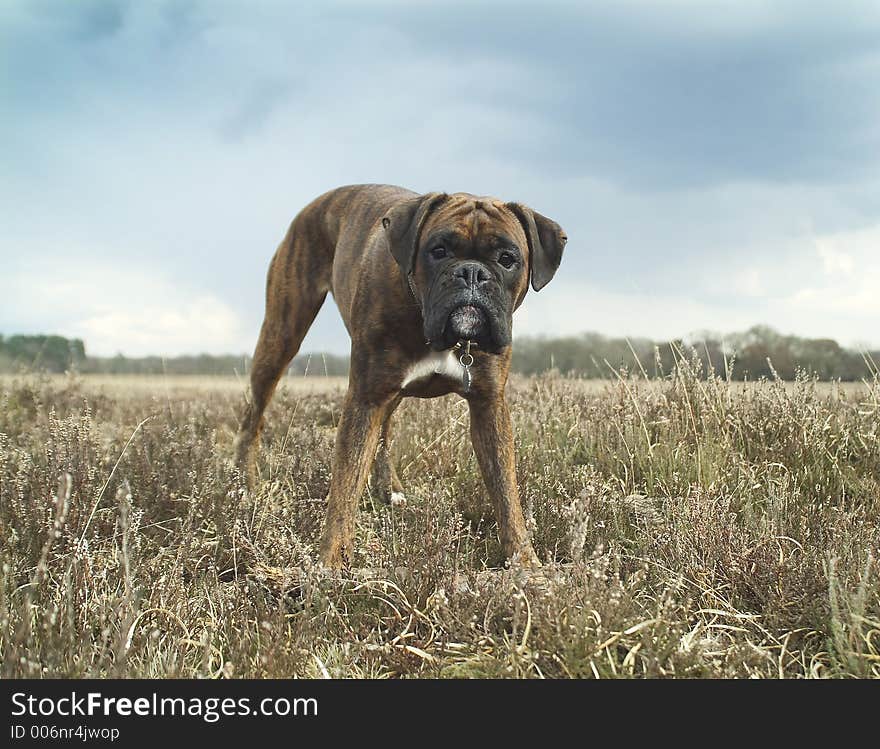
(465, 359)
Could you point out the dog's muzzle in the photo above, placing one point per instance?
(467, 321)
(468, 304)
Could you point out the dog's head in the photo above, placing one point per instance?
(469, 261)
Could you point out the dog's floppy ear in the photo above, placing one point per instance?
(403, 225)
(546, 242)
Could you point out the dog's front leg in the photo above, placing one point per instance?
(492, 437)
(357, 438)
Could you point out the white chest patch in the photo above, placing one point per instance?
(443, 363)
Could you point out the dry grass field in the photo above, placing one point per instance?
(691, 528)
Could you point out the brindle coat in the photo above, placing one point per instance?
(364, 243)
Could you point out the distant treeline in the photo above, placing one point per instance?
(52, 353)
(208, 364)
(758, 352)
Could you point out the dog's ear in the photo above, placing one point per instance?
(546, 242)
(403, 225)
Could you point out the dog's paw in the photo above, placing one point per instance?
(525, 559)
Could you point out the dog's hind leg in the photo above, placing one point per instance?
(297, 284)
(384, 480)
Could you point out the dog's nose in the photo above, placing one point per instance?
(473, 274)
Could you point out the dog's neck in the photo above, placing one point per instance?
(454, 363)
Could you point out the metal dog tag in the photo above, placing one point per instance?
(466, 360)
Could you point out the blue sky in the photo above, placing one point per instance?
(715, 165)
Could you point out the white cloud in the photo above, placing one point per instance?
(814, 286)
(849, 291)
(133, 310)
(834, 260)
(749, 282)
(201, 324)
(573, 308)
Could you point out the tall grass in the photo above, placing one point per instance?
(692, 528)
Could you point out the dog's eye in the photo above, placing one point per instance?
(507, 260)
(438, 253)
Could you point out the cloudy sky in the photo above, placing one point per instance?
(715, 165)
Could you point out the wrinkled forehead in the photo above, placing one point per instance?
(474, 218)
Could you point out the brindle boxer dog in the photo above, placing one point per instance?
(424, 283)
